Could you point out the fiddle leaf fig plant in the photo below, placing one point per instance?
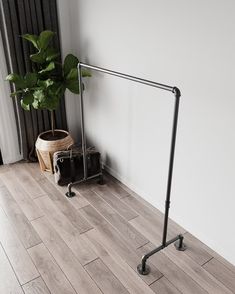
(46, 84)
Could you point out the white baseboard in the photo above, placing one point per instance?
(131, 186)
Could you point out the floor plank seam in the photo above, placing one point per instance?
(183, 270)
(93, 279)
(39, 196)
(117, 214)
(143, 245)
(197, 270)
(156, 280)
(83, 232)
(111, 273)
(202, 265)
(84, 265)
(133, 218)
(35, 245)
(52, 257)
(32, 280)
(36, 218)
(170, 283)
(10, 263)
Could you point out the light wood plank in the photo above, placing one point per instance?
(17, 254)
(196, 272)
(123, 209)
(197, 243)
(195, 250)
(163, 286)
(172, 272)
(104, 278)
(114, 186)
(67, 261)
(152, 233)
(114, 242)
(30, 209)
(8, 280)
(50, 271)
(34, 169)
(4, 168)
(64, 205)
(221, 273)
(36, 286)
(27, 181)
(117, 216)
(155, 218)
(77, 243)
(78, 202)
(18, 220)
(141, 205)
(128, 277)
(66, 230)
(132, 236)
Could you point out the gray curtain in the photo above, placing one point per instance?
(17, 18)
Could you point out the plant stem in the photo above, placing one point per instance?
(52, 123)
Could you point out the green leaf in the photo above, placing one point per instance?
(36, 104)
(73, 74)
(17, 80)
(86, 73)
(39, 95)
(31, 38)
(44, 39)
(24, 106)
(28, 99)
(73, 86)
(38, 57)
(70, 62)
(49, 67)
(51, 54)
(51, 102)
(46, 83)
(30, 80)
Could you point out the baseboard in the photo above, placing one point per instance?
(131, 186)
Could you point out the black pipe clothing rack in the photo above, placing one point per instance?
(142, 268)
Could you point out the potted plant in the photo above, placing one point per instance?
(43, 88)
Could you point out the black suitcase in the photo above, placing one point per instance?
(68, 165)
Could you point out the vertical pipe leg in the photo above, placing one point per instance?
(70, 193)
(143, 268)
(176, 92)
(179, 244)
(82, 122)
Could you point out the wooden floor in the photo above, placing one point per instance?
(93, 242)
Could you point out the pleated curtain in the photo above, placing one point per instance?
(17, 18)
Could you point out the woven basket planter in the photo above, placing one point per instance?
(46, 148)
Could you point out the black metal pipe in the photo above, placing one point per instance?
(128, 77)
(171, 163)
(143, 268)
(113, 73)
(82, 121)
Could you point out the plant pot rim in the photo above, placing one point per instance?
(56, 130)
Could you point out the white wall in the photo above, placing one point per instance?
(189, 44)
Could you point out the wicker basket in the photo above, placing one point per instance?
(45, 149)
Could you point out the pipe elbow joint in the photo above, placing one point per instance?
(177, 92)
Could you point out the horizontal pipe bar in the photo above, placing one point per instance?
(128, 77)
(70, 185)
(147, 255)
